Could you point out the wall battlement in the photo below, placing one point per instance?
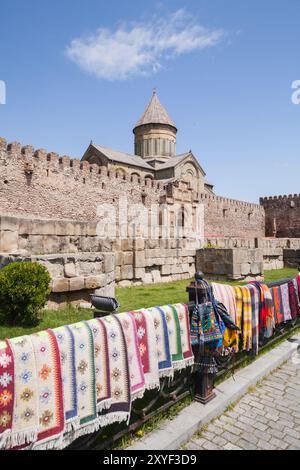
(267, 199)
(41, 159)
(282, 215)
(229, 202)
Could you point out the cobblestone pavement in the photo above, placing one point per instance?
(266, 418)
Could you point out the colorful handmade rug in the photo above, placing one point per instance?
(101, 364)
(25, 424)
(174, 336)
(184, 321)
(6, 392)
(162, 341)
(65, 341)
(137, 377)
(119, 373)
(287, 314)
(148, 347)
(85, 378)
(50, 391)
(246, 319)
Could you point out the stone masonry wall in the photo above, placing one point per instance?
(230, 263)
(282, 215)
(46, 185)
(273, 249)
(231, 218)
(73, 276)
(146, 261)
(78, 261)
(41, 184)
(135, 261)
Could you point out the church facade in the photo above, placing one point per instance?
(154, 155)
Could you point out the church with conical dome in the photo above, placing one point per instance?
(154, 152)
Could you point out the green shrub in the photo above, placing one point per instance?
(24, 290)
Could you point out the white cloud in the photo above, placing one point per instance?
(140, 48)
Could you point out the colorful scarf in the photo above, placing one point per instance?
(6, 392)
(266, 310)
(85, 378)
(246, 319)
(65, 340)
(174, 336)
(277, 301)
(296, 292)
(148, 347)
(254, 293)
(287, 314)
(137, 378)
(162, 341)
(262, 306)
(226, 295)
(50, 391)
(298, 284)
(239, 306)
(25, 416)
(184, 321)
(295, 310)
(119, 373)
(102, 372)
(269, 309)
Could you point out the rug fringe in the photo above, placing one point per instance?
(72, 425)
(166, 373)
(177, 365)
(54, 442)
(20, 438)
(104, 405)
(189, 362)
(138, 394)
(153, 385)
(5, 438)
(114, 417)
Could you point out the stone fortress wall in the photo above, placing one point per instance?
(282, 215)
(46, 185)
(48, 213)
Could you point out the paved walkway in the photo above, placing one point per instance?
(267, 417)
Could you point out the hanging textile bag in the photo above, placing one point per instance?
(205, 325)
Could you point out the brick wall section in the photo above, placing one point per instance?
(282, 215)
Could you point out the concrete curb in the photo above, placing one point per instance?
(173, 434)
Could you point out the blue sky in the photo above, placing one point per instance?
(79, 70)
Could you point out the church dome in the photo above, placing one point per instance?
(155, 132)
(155, 113)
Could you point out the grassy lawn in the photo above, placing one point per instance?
(130, 298)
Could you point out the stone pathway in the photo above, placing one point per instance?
(266, 418)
